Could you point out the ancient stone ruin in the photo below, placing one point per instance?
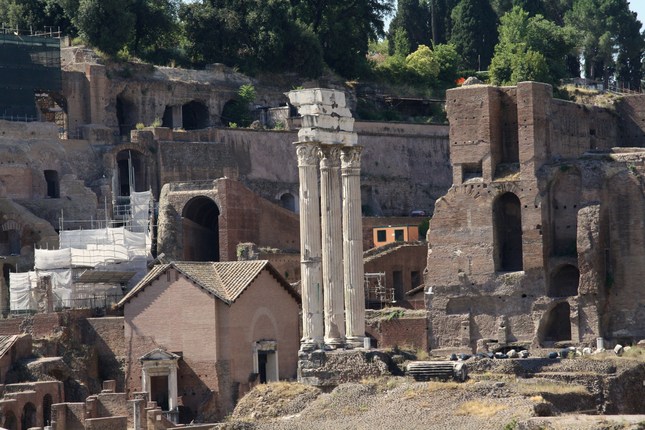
(539, 240)
(332, 271)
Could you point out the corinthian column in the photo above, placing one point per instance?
(332, 245)
(311, 274)
(353, 245)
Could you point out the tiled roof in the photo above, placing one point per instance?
(6, 342)
(225, 280)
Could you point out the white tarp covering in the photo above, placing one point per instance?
(52, 259)
(24, 291)
(118, 249)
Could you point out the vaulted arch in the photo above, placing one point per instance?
(201, 230)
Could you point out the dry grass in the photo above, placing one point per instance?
(549, 387)
(480, 408)
(384, 383)
(283, 389)
(637, 354)
(431, 387)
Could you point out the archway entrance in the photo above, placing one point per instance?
(556, 325)
(29, 416)
(288, 201)
(201, 230)
(47, 409)
(10, 421)
(131, 172)
(564, 282)
(126, 115)
(507, 219)
(195, 116)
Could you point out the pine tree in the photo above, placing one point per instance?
(474, 33)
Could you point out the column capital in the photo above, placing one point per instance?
(329, 156)
(307, 153)
(350, 157)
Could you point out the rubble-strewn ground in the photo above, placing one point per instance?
(501, 394)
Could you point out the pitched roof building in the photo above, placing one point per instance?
(200, 334)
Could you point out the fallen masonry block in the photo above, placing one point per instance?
(442, 370)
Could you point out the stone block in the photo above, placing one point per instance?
(329, 122)
(317, 96)
(318, 109)
(328, 137)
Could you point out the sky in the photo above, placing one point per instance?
(638, 6)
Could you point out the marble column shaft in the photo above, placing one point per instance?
(332, 245)
(353, 245)
(310, 247)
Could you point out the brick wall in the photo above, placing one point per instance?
(400, 332)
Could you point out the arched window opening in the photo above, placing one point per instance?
(201, 230)
(564, 282)
(195, 116)
(556, 325)
(53, 185)
(47, 409)
(29, 416)
(10, 238)
(131, 172)
(565, 204)
(288, 201)
(166, 120)
(126, 115)
(10, 421)
(507, 216)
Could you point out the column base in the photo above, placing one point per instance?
(310, 345)
(353, 342)
(334, 343)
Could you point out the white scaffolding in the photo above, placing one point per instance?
(91, 264)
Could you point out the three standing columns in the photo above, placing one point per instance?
(331, 232)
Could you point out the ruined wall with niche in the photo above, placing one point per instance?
(243, 217)
(574, 253)
(394, 173)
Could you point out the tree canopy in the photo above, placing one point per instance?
(538, 39)
(474, 33)
(530, 48)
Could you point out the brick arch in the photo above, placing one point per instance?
(257, 315)
(200, 229)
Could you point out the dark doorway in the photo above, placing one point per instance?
(131, 172)
(10, 421)
(195, 116)
(263, 359)
(159, 391)
(557, 324)
(397, 284)
(507, 216)
(166, 121)
(29, 416)
(564, 282)
(288, 201)
(53, 185)
(201, 230)
(47, 409)
(126, 115)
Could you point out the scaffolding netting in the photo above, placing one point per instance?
(118, 253)
(28, 64)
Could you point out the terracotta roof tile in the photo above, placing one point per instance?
(225, 280)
